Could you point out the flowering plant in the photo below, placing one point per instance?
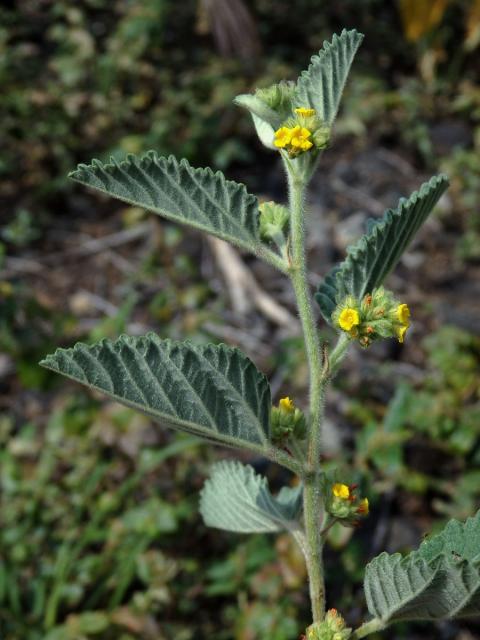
(216, 392)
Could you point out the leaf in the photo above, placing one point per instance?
(321, 85)
(439, 580)
(398, 588)
(457, 540)
(258, 108)
(373, 257)
(175, 190)
(265, 119)
(235, 498)
(211, 391)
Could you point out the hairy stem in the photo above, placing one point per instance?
(312, 496)
(367, 628)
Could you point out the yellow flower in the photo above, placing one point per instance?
(363, 507)
(403, 314)
(348, 319)
(283, 137)
(401, 332)
(340, 490)
(287, 405)
(306, 113)
(300, 139)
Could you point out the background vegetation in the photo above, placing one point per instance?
(99, 531)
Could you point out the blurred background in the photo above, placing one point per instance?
(100, 535)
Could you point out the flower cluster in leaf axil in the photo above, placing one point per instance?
(287, 421)
(278, 96)
(343, 504)
(302, 132)
(377, 315)
(272, 220)
(332, 627)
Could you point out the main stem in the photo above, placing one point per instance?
(312, 499)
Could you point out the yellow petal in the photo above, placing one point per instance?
(403, 314)
(287, 405)
(340, 490)
(348, 319)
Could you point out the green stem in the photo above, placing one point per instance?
(338, 353)
(312, 504)
(367, 628)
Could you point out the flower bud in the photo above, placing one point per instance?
(272, 220)
(332, 627)
(278, 96)
(287, 421)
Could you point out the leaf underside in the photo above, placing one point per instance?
(321, 85)
(440, 580)
(237, 499)
(211, 391)
(375, 255)
(175, 190)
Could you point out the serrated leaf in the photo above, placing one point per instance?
(439, 580)
(211, 391)
(235, 498)
(175, 190)
(373, 257)
(396, 587)
(458, 540)
(321, 85)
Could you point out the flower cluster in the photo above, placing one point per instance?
(343, 504)
(333, 627)
(287, 421)
(302, 132)
(377, 315)
(294, 139)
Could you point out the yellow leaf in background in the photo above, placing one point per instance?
(421, 16)
(472, 39)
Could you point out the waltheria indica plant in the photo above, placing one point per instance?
(217, 393)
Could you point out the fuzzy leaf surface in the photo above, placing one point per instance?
(440, 580)
(321, 85)
(372, 258)
(175, 190)
(235, 498)
(459, 540)
(211, 391)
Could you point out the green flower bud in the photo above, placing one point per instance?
(287, 421)
(321, 137)
(333, 627)
(278, 96)
(273, 219)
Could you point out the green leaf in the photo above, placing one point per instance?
(265, 119)
(211, 391)
(321, 85)
(439, 580)
(175, 190)
(397, 588)
(258, 108)
(235, 498)
(373, 257)
(457, 540)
